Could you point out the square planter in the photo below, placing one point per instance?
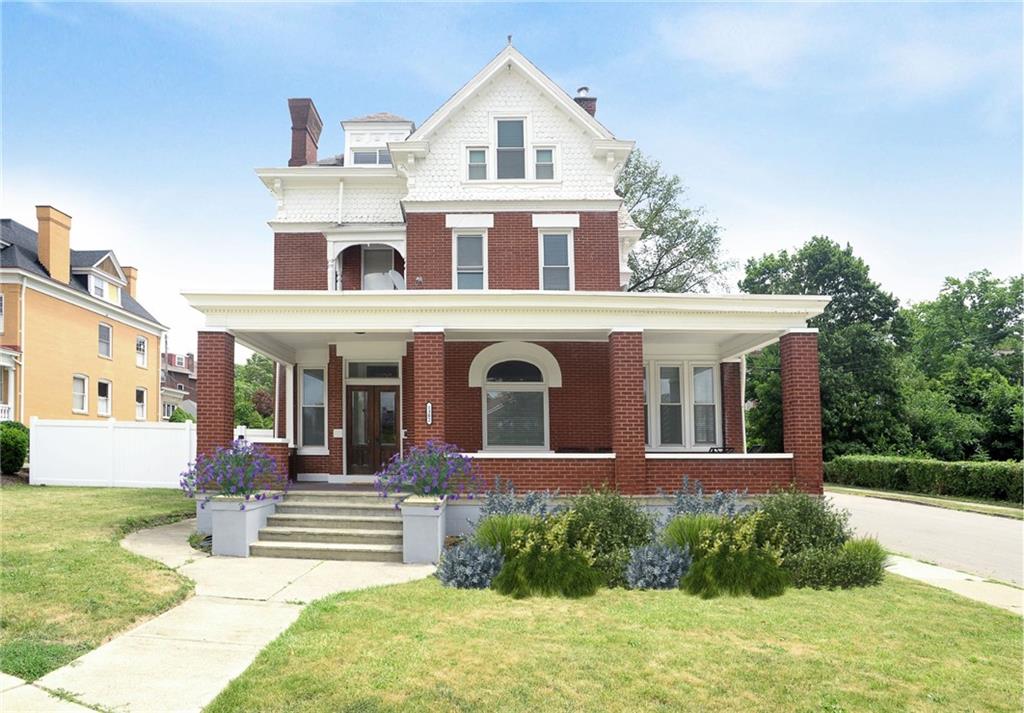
(204, 516)
(423, 523)
(234, 529)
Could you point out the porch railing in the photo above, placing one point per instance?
(6, 412)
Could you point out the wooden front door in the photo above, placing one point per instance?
(372, 428)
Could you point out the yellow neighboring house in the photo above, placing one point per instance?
(74, 341)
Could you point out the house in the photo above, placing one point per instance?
(462, 281)
(177, 383)
(76, 343)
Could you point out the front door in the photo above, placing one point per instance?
(372, 428)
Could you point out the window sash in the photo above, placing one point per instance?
(103, 401)
(141, 351)
(556, 261)
(313, 407)
(476, 169)
(79, 394)
(140, 405)
(470, 263)
(99, 288)
(105, 336)
(544, 165)
(682, 410)
(515, 417)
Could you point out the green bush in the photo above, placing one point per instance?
(499, 530)
(179, 415)
(609, 525)
(13, 448)
(734, 563)
(541, 561)
(692, 532)
(858, 563)
(792, 522)
(994, 480)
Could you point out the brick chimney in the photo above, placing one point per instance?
(586, 101)
(306, 126)
(55, 242)
(132, 273)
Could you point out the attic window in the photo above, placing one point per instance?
(99, 287)
(511, 149)
(371, 157)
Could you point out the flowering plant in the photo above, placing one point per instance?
(243, 470)
(437, 469)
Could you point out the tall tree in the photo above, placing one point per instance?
(679, 250)
(254, 384)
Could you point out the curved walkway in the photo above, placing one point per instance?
(180, 660)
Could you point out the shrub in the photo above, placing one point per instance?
(243, 470)
(690, 500)
(792, 522)
(437, 469)
(657, 567)
(179, 415)
(734, 563)
(502, 500)
(994, 480)
(691, 532)
(857, 563)
(469, 566)
(541, 561)
(498, 531)
(609, 525)
(13, 449)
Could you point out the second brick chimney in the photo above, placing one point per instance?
(306, 127)
(54, 242)
(132, 273)
(586, 101)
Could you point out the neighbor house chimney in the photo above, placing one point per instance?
(132, 273)
(55, 242)
(306, 126)
(586, 101)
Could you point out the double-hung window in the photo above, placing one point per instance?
(314, 411)
(105, 337)
(556, 261)
(705, 418)
(515, 406)
(141, 351)
(168, 411)
(79, 394)
(670, 409)
(103, 398)
(470, 254)
(477, 163)
(140, 404)
(99, 287)
(544, 164)
(682, 405)
(511, 151)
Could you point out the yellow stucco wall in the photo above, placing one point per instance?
(61, 340)
(12, 310)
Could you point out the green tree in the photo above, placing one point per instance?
(678, 250)
(179, 415)
(253, 380)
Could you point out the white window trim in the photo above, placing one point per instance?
(689, 445)
(93, 282)
(85, 399)
(145, 352)
(179, 360)
(541, 387)
(313, 450)
(367, 149)
(168, 410)
(554, 162)
(467, 232)
(110, 342)
(110, 398)
(145, 403)
(466, 148)
(570, 247)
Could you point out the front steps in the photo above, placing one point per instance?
(333, 525)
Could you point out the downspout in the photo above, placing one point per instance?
(21, 343)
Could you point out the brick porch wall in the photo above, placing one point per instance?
(428, 360)
(801, 408)
(756, 475)
(215, 391)
(281, 455)
(567, 475)
(732, 407)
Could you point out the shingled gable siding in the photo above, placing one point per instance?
(300, 261)
(512, 247)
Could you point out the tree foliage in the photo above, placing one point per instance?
(254, 388)
(679, 250)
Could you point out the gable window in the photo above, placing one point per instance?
(515, 406)
(544, 164)
(79, 394)
(470, 253)
(511, 153)
(556, 261)
(105, 337)
(313, 427)
(371, 157)
(141, 351)
(103, 394)
(705, 420)
(140, 404)
(477, 160)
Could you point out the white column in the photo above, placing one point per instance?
(289, 404)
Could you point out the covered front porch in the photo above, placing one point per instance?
(544, 389)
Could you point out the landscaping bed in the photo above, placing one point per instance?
(67, 584)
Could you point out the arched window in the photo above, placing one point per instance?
(515, 399)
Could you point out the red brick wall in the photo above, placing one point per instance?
(281, 454)
(215, 400)
(352, 268)
(408, 417)
(512, 257)
(801, 408)
(755, 475)
(429, 385)
(300, 261)
(428, 252)
(567, 475)
(281, 416)
(626, 375)
(732, 407)
(596, 251)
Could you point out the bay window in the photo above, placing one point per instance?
(313, 426)
(515, 407)
(682, 405)
(511, 152)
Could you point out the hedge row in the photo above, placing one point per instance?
(995, 480)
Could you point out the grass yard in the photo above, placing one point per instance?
(1002, 508)
(67, 584)
(422, 647)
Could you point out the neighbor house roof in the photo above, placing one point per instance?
(381, 116)
(22, 253)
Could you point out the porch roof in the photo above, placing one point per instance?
(281, 323)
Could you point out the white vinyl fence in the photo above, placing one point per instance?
(120, 454)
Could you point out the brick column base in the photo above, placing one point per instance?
(215, 391)
(428, 387)
(626, 374)
(801, 408)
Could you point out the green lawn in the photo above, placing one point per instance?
(1002, 508)
(67, 584)
(421, 647)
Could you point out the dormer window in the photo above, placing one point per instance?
(99, 288)
(511, 158)
(371, 157)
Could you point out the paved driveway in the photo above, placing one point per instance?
(985, 545)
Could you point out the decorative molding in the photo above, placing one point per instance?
(521, 351)
(556, 220)
(511, 206)
(469, 220)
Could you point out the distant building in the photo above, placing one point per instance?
(178, 383)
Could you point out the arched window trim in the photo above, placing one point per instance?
(515, 351)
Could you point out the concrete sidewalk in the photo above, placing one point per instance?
(966, 585)
(183, 658)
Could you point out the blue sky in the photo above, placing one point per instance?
(896, 128)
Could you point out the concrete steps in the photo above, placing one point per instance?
(335, 525)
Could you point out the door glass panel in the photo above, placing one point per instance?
(388, 424)
(359, 418)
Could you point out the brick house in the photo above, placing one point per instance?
(463, 281)
(177, 383)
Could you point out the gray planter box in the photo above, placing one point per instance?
(204, 516)
(234, 529)
(423, 525)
